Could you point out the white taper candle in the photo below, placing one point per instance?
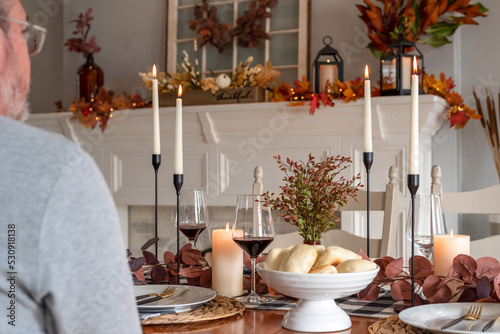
(414, 150)
(156, 115)
(178, 162)
(368, 147)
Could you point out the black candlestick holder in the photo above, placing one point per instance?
(413, 183)
(178, 181)
(368, 161)
(156, 165)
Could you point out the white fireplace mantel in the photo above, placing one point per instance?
(223, 144)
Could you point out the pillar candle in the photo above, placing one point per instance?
(406, 72)
(414, 153)
(156, 115)
(446, 248)
(327, 73)
(227, 263)
(178, 162)
(368, 147)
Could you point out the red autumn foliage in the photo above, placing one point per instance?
(477, 280)
(192, 266)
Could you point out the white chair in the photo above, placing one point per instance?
(386, 201)
(482, 201)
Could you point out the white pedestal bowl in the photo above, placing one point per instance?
(316, 310)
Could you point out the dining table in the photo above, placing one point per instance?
(251, 322)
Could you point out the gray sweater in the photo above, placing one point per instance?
(62, 260)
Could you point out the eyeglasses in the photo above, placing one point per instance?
(33, 35)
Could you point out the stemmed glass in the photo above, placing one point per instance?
(429, 221)
(253, 231)
(193, 214)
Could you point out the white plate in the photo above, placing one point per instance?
(433, 316)
(178, 303)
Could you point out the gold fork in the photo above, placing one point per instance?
(168, 291)
(473, 314)
(149, 300)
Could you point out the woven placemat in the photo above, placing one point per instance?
(394, 325)
(218, 308)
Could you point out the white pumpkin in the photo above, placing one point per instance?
(223, 81)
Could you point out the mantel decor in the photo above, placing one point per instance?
(429, 22)
(244, 84)
(328, 67)
(90, 76)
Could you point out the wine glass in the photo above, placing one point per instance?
(253, 231)
(193, 214)
(429, 221)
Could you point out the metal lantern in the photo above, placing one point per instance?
(396, 68)
(328, 66)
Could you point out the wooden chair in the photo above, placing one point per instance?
(386, 201)
(482, 201)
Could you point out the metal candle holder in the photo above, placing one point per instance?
(368, 161)
(178, 181)
(413, 183)
(156, 165)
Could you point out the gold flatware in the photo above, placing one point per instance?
(489, 324)
(473, 314)
(168, 291)
(149, 300)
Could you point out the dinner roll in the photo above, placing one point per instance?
(319, 248)
(275, 256)
(354, 266)
(328, 269)
(335, 255)
(299, 259)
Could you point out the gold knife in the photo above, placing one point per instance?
(489, 324)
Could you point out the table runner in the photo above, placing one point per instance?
(352, 305)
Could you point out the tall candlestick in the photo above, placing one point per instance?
(368, 114)
(446, 247)
(414, 150)
(156, 115)
(227, 258)
(178, 162)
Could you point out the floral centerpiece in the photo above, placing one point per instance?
(313, 193)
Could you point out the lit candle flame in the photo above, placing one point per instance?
(154, 71)
(451, 234)
(179, 94)
(415, 68)
(367, 74)
(227, 227)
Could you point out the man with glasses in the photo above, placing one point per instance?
(62, 259)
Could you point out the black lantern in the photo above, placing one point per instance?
(396, 68)
(328, 66)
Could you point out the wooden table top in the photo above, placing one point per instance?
(252, 322)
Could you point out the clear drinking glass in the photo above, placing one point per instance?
(429, 221)
(253, 231)
(193, 214)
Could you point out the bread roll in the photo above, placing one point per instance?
(328, 269)
(354, 266)
(299, 259)
(275, 256)
(319, 248)
(335, 255)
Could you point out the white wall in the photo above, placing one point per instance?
(132, 36)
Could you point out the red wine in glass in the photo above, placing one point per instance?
(253, 246)
(192, 231)
(253, 231)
